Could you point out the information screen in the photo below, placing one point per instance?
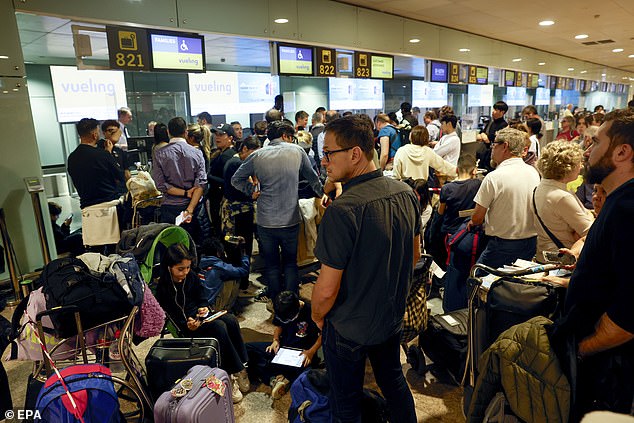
(87, 93)
(515, 96)
(479, 95)
(509, 78)
(542, 96)
(355, 94)
(382, 67)
(429, 94)
(173, 52)
(482, 75)
(438, 71)
(221, 93)
(295, 60)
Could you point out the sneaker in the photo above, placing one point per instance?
(235, 390)
(280, 388)
(243, 380)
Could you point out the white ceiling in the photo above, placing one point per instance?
(517, 22)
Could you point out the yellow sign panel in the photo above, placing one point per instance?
(127, 40)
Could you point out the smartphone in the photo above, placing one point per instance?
(561, 258)
(210, 317)
(70, 217)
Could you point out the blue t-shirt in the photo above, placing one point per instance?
(457, 195)
(395, 139)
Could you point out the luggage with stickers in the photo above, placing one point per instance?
(202, 395)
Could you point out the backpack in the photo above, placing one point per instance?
(93, 393)
(99, 297)
(403, 130)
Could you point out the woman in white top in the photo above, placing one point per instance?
(560, 211)
(413, 160)
(534, 126)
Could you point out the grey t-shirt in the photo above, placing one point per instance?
(368, 233)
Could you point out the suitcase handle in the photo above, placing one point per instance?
(518, 272)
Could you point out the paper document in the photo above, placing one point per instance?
(180, 219)
(288, 357)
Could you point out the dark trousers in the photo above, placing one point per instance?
(345, 361)
(272, 242)
(505, 251)
(226, 329)
(260, 366)
(169, 213)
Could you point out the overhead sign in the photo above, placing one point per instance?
(326, 62)
(519, 79)
(177, 52)
(454, 73)
(542, 96)
(532, 80)
(362, 64)
(482, 75)
(295, 60)
(438, 71)
(509, 78)
(355, 94)
(429, 94)
(128, 48)
(382, 67)
(479, 95)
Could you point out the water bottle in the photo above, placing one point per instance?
(114, 362)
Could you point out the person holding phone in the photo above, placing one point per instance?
(65, 241)
(181, 294)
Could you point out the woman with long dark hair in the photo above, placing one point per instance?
(180, 293)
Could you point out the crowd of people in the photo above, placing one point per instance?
(573, 194)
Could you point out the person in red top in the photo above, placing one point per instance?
(568, 132)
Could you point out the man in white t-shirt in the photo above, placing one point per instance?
(449, 145)
(503, 202)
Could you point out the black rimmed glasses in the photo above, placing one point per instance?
(328, 153)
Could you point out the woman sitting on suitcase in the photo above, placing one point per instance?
(180, 293)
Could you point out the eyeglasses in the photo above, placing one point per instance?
(328, 153)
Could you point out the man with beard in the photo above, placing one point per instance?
(503, 202)
(598, 308)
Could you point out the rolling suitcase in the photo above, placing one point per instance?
(196, 398)
(170, 359)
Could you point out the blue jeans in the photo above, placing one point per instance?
(272, 240)
(505, 251)
(345, 361)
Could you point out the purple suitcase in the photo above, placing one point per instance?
(199, 404)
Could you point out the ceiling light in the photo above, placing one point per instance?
(546, 23)
(517, 59)
(571, 69)
(625, 77)
(602, 74)
(414, 40)
(541, 63)
(5, 92)
(584, 71)
(631, 56)
(617, 50)
(464, 50)
(4, 57)
(581, 36)
(281, 21)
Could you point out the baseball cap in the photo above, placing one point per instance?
(225, 128)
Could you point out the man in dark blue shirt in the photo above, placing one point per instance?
(368, 243)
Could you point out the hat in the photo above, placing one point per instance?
(225, 128)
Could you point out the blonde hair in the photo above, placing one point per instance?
(305, 137)
(202, 135)
(559, 158)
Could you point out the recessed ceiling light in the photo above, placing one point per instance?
(281, 21)
(5, 92)
(584, 71)
(414, 40)
(581, 36)
(546, 23)
(625, 77)
(517, 59)
(464, 50)
(617, 50)
(602, 74)
(631, 56)
(16, 89)
(541, 63)
(571, 69)
(4, 57)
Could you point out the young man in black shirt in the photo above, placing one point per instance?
(488, 135)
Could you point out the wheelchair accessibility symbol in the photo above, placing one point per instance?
(183, 46)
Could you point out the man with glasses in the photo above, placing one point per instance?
(504, 202)
(271, 174)
(368, 243)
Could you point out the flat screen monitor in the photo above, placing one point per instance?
(438, 71)
(542, 96)
(558, 95)
(355, 94)
(221, 93)
(482, 75)
(515, 96)
(382, 67)
(509, 78)
(177, 52)
(87, 93)
(429, 94)
(295, 60)
(479, 95)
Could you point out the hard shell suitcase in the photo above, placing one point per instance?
(198, 404)
(170, 359)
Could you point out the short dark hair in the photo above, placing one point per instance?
(278, 128)
(622, 129)
(260, 127)
(86, 126)
(212, 247)
(535, 125)
(529, 109)
(174, 254)
(449, 118)
(108, 124)
(320, 109)
(502, 106)
(235, 122)
(598, 118)
(251, 143)
(419, 135)
(352, 131)
(205, 115)
(300, 115)
(406, 107)
(54, 209)
(177, 126)
(160, 133)
(630, 104)
(286, 305)
(598, 107)
(466, 163)
(421, 188)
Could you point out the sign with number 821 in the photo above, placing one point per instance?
(128, 48)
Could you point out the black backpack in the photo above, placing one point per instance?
(99, 297)
(403, 132)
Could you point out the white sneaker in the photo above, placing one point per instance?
(280, 387)
(235, 390)
(243, 380)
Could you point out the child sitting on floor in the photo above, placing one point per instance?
(294, 328)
